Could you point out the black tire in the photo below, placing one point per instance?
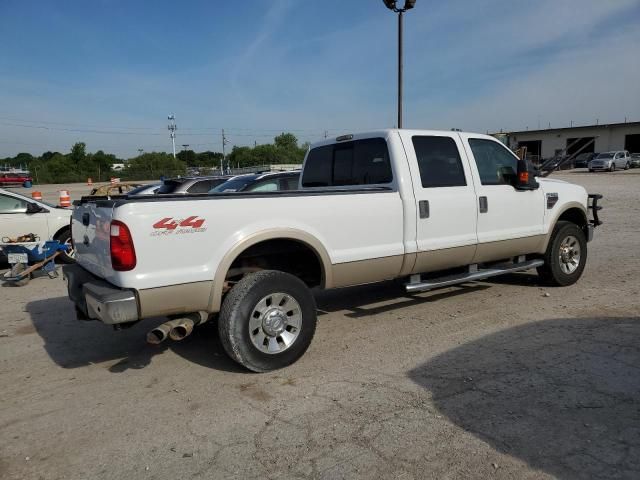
(235, 315)
(590, 170)
(551, 272)
(612, 168)
(627, 166)
(65, 237)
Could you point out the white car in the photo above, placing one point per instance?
(20, 215)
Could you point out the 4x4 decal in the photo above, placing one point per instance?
(169, 225)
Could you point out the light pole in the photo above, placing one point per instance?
(392, 5)
(172, 132)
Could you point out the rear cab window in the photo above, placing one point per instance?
(355, 163)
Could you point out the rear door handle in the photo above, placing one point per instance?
(484, 204)
(423, 207)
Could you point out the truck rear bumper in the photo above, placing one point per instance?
(99, 300)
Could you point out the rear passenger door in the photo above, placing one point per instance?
(446, 201)
(510, 221)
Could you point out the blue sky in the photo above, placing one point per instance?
(108, 72)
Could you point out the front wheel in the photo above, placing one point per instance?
(627, 166)
(566, 255)
(612, 168)
(267, 320)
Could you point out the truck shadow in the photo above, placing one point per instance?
(73, 343)
(562, 395)
(372, 299)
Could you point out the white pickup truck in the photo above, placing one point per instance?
(388, 204)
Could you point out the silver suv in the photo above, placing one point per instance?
(610, 161)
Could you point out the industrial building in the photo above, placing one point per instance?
(551, 142)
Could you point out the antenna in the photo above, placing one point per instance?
(172, 132)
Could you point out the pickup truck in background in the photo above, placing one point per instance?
(388, 204)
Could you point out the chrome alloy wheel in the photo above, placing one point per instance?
(569, 254)
(275, 323)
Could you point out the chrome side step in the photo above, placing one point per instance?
(416, 285)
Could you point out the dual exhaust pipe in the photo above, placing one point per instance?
(176, 329)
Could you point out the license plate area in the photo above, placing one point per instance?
(14, 258)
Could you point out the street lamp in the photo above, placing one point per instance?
(392, 5)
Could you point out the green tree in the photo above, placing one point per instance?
(78, 152)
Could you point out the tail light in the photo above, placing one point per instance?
(123, 254)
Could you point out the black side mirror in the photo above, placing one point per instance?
(526, 176)
(33, 208)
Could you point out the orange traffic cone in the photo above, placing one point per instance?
(89, 181)
(36, 195)
(65, 199)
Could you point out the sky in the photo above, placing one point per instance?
(108, 72)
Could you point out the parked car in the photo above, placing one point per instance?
(11, 176)
(635, 160)
(260, 182)
(388, 204)
(610, 161)
(582, 159)
(119, 188)
(184, 185)
(20, 215)
(146, 189)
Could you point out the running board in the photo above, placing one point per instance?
(473, 274)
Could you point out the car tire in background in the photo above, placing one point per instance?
(627, 166)
(267, 320)
(65, 237)
(612, 168)
(566, 255)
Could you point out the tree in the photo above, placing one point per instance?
(78, 152)
(286, 141)
(189, 157)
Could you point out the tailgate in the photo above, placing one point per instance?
(90, 228)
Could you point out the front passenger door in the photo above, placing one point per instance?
(510, 221)
(15, 221)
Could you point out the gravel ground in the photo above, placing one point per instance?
(495, 379)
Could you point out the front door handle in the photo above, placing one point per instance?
(423, 207)
(484, 204)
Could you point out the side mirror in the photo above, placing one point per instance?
(33, 208)
(525, 179)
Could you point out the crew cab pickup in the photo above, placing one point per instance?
(388, 204)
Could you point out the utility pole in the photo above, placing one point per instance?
(172, 132)
(224, 155)
(140, 150)
(326, 134)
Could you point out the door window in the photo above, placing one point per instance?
(439, 162)
(496, 164)
(12, 205)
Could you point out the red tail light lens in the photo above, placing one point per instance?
(123, 255)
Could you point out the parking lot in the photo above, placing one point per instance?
(502, 379)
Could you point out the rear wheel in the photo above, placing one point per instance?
(612, 168)
(267, 320)
(65, 238)
(566, 255)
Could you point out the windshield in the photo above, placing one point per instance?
(606, 155)
(234, 185)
